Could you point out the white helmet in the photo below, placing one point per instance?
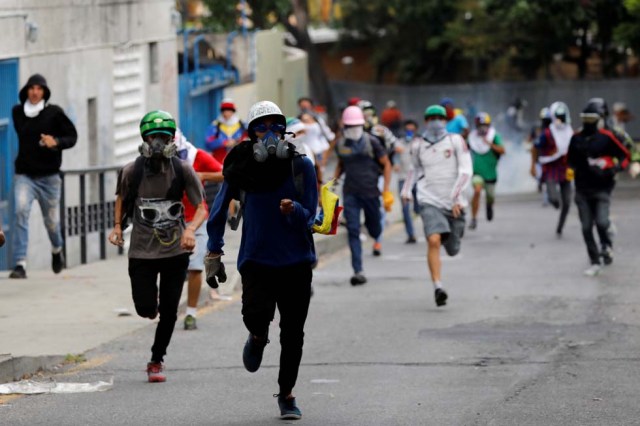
(264, 109)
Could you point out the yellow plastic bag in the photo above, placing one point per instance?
(326, 220)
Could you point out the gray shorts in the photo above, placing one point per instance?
(196, 259)
(440, 221)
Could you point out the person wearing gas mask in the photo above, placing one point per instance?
(551, 150)
(362, 158)
(44, 131)
(276, 251)
(149, 193)
(208, 169)
(486, 149)
(442, 170)
(596, 155)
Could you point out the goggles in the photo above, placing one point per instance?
(275, 127)
(163, 211)
(589, 117)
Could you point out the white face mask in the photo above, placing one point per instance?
(436, 130)
(353, 133)
(32, 110)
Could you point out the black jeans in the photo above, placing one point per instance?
(144, 289)
(288, 288)
(560, 199)
(593, 207)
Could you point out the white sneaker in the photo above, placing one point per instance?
(593, 270)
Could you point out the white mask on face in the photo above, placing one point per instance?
(436, 130)
(353, 133)
(32, 110)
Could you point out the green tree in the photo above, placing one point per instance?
(293, 15)
(407, 37)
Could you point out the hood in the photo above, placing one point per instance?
(33, 80)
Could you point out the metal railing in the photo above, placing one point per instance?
(86, 218)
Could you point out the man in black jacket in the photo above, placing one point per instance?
(596, 155)
(43, 132)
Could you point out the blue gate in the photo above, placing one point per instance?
(200, 92)
(8, 150)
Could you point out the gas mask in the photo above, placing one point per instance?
(353, 133)
(270, 144)
(159, 147)
(436, 130)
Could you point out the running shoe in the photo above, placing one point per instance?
(607, 255)
(441, 297)
(57, 262)
(190, 323)
(288, 408)
(593, 270)
(358, 279)
(377, 248)
(155, 372)
(489, 212)
(473, 224)
(411, 240)
(18, 272)
(252, 353)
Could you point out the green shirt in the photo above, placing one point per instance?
(486, 165)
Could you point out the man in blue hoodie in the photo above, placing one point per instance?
(279, 196)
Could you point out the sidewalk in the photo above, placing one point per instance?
(48, 317)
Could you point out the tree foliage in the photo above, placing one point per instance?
(433, 40)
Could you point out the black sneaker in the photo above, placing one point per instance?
(411, 240)
(288, 408)
(489, 212)
(57, 262)
(441, 297)
(18, 272)
(252, 353)
(358, 279)
(607, 255)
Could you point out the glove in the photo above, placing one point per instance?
(214, 268)
(387, 200)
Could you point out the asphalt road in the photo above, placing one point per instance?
(526, 339)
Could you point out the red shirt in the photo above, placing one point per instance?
(203, 162)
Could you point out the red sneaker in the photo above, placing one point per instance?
(154, 371)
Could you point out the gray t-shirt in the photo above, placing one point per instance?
(158, 222)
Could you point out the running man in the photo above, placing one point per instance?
(442, 168)
(486, 149)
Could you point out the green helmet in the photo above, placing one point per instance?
(157, 122)
(435, 110)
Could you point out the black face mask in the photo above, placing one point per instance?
(589, 128)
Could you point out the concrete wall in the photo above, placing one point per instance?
(75, 50)
(281, 75)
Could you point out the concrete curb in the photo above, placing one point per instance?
(15, 368)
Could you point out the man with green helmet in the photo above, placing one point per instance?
(441, 171)
(149, 194)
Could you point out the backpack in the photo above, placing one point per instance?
(298, 182)
(175, 191)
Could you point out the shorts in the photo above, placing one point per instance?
(440, 221)
(489, 187)
(196, 259)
